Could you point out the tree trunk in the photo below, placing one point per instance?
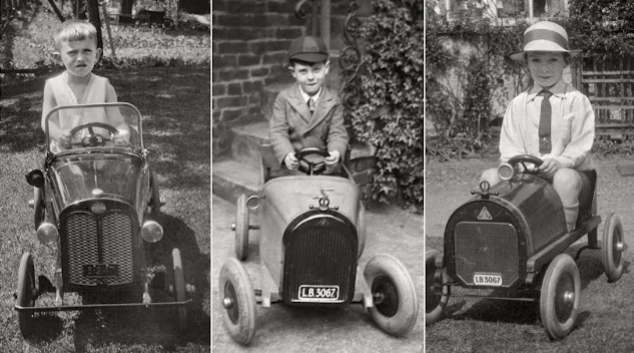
(126, 7)
(93, 17)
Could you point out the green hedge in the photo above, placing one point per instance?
(385, 106)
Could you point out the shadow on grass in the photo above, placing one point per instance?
(46, 327)
(156, 326)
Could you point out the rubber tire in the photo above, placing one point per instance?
(234, 283)
(434, 305)
(361, 229)
(242, 228)
(26, 290)
(38, 207)
(612, 258)
(558, 317)
(179, 288)
(156, 196)
(386, 269)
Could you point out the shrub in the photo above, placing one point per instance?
(385, 100)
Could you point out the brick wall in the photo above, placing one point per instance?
(250, 39)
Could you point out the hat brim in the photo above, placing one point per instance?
(520, 55)
(310, 57)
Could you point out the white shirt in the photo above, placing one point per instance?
(307, 97)
(572, 126)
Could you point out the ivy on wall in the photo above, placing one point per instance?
(386, 108)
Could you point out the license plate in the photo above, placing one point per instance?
(487, 280)
(101, 271)
(318, 293)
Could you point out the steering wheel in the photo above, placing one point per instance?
(526, 158)
(93, 139)
(310, 167)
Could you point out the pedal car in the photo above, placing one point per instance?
(312, 233)
(99, 201)
(512, 240)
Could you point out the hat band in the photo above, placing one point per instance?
(546, 34)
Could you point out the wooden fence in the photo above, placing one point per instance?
(609, 84)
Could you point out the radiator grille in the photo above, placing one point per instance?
(322, 251)
(486, 247)
(85, 244)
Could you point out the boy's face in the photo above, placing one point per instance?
(310, 77)
(79, 57)
(546, 68)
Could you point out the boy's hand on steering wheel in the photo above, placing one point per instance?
(291, 161)
(549, 167)
(64, 139)
(333, 158)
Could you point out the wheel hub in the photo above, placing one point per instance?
(385, 296)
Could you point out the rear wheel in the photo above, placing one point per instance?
(26, 294)
(612, 248)
(559, 302)
(395, 307)
(179, 288)
(38, 206)
(242, 228)
(238, 301)
(435, 304)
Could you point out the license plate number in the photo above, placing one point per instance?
(487, 280)
(318, 293)
(101, 271)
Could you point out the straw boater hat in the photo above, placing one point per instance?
(545, 36)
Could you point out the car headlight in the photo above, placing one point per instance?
(506, 171)
(151, 231)
(47, 233)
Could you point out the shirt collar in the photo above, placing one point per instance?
(558, 90)
(307, 97)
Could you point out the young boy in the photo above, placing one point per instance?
(76, 44)
(551, 120)
(308, 114)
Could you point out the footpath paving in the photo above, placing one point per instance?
(284, 329)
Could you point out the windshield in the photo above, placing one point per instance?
(94, 126)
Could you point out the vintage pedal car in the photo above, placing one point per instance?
(312, 233)
(98, 200)
(512, 240)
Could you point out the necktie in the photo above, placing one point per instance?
(311, 105)
(545, 145)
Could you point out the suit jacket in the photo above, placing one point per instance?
(292, 128)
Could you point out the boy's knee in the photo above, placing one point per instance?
(567, 182)
(491, 176)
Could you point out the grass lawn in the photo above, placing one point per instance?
(175, 104)
(606, 316)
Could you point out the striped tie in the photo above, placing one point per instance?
(545, 145)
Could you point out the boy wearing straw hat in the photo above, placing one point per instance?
(551, 120)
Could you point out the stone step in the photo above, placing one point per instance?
(246, 142)
(232, 178)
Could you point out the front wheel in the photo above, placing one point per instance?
(26, 294)
(238, 301)
(612, 248)
(179, 288)
(395, 308)
(242, 228)
(156, 197)
(435, 304)
(559, 302)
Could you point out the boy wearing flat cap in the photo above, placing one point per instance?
(551, 120)
(308, 114)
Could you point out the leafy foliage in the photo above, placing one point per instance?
(602, 26)
(467, 71)
(387, 108)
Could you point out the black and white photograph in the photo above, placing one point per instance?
(317, 142)
(529, 129)
(105, 176)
